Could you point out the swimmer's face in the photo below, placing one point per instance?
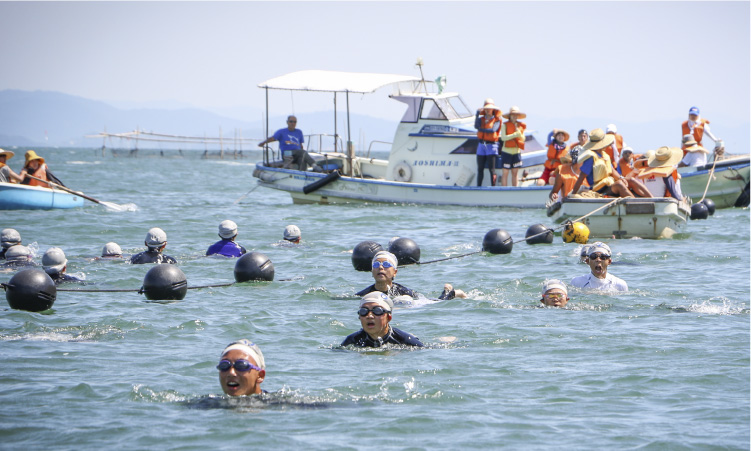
(599, 266)
(375, 326)
(241, 383)
(555, 297)
(382, 274)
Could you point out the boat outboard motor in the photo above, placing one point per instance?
(32, 290)
(254, 266)
(541, 234)
(743, 199)
(710, 205)
(362, 255)
(497, 241)
(406, 251)
(164, 283)
(699, 211)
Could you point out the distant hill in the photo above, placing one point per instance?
(46, 118)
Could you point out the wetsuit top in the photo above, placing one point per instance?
(2, 253)
(395, 336)
(394, 291)
(228, 248)
(64, 278)
(151, 256)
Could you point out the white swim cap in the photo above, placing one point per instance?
(227, 229)
(248, 347)
(111, 250)
(156, 237)
(379, 298)
(54, 260)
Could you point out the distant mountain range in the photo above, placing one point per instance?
(47, 118)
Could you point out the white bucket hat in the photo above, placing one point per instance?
(227, 229)
(54, 260)
(10, 237)
(292, 232)
(156, 237)
(111, 249)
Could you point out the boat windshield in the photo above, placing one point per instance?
(450, 108)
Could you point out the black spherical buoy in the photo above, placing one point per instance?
(164, 283)
(699, 211)
(254, 266)
(30, 289)
(406, 251)
(362, 255)
(497, 241)
(541, 234)
(710, 206)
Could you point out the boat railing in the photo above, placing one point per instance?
(370, 147)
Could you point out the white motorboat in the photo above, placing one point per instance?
(728, 180)
(432, 159)
(650, 218)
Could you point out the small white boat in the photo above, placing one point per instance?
(432, 159)
(24, 197)
(729, 179)
(650, 218)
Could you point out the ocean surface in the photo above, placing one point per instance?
(664, 366)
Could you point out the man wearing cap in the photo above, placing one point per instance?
(227, 246)
(7, 175)
(8, 238)
(554, 293)
(599, 279)
(156, 241)
(384, 272)
(512, 135)
(291, 142)
(488, 124)
(55, 264)
(693, 153)
(292, 234)
(242, 369)
(697, 127)
(557, 148)
(375, 316)
(660, 175)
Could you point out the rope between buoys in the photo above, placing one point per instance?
(614, 201)
(711, 173)
(139, 290)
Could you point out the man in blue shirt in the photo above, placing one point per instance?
(291, 142)
(227, 246)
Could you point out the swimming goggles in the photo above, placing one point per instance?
(385, 265)
(239, 365)
(377, 311)
(599, 256)
(555, 295)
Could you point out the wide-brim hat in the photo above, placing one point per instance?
(566, 136)
(598, 139)
(8, 154)
(489, 105)
(515, 110)
(665, 157)
(690, 145)
(31, 155)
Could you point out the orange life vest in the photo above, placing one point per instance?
(625, 168)
(41, 173)
(568, 179)
(554, 154)
(488, 124)
(618, 142)
(698, 130)
(510, 130)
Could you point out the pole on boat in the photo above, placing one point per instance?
(109, 205)
(335, 130)
(350, 149)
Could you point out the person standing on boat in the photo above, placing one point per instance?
(697, 127)
(693, 153)
(156, 241)
(557, 148)
(375, 316)
(599, 259)
(615, 149)
(512, 135)
(7, 175)
(291, 142)
(34, 166)
(227, 246)
(488, 124)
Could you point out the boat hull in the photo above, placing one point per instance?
(650, 218)
(24, 197)
(729, 178)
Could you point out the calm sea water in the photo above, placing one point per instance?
(664, 366)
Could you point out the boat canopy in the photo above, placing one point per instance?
(331, 81)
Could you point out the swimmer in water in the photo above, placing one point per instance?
(242, 369)
(227, 246)
(18, 256)
(55, 264)
(156, 241)
(599, 259)
(554, 293)
(584, 253)
(292, 234)
(112, 250)
(375, 316)
(8, 238)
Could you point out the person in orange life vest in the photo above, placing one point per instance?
(658, 172)
(34, 166)
(615, 150)
(512, 135)
(488, 124)
(693, 153)
(7, 175)
(625, 164)
(556, 149)
(583, 137)
(566, 175)
(697, 127)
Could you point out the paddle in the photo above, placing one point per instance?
(110, 205)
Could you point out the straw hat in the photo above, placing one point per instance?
(8, 154)
(31, 155)
(665, 157)
(489, 105)
(690, 145)
(599, 140)
(515, 110)
(566, 136)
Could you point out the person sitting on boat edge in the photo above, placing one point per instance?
(599, 259)
(512, 135)
(375, 316)
(55, 264)
(292, 234)
(34, 166)
(156, 241)
(658, 172)
(488, 124)
(557, 148)
(694, 154)
(227, 245)
(554, 293)
(291, 140)
(7, 175)
(8, 238)
(566, 175)
(242, 369)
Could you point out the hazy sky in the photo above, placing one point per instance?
(618, 61)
